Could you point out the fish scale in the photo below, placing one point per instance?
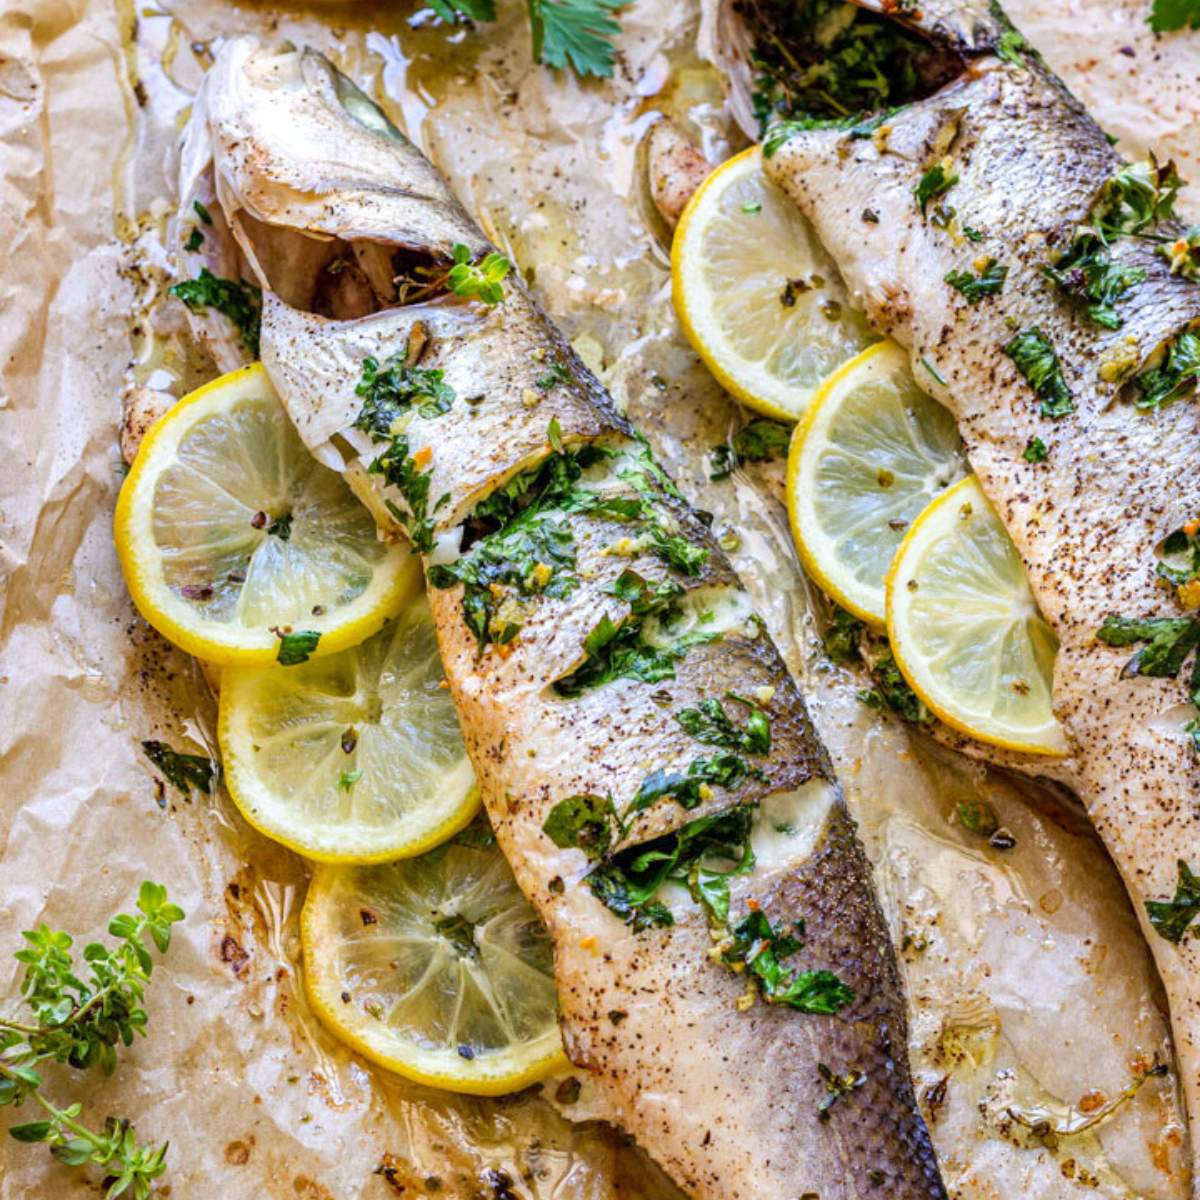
(729, 1096)
(1030, 164)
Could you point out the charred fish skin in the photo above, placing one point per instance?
(1028, 167)
(625, 672)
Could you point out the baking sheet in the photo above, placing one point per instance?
(1026, 970)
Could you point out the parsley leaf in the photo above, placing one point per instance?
(936, 181)
(618, 652)
(575, 33)
(762, 440)
(1036, 451)
(1035, 357)
(761, 949)
(390, 390)
(454, 11)
(703, 855)
(240, 302)
(711, 724)
(1175, 376)
(1169, 640)
(1171, 918)
(182, 771)
(295, 648)
(403, 473)
(988, 282)
(1166, 16)
(481, 281)
(687, 789)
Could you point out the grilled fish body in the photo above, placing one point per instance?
(1030, 164)
(735, 1097)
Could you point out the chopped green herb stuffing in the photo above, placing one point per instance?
(843, 637)
(1174, 377)
(181, 771)
(1179, 559)
(975, 287)
(1172, 918)
(711, 724)
(401, 472)
(240, 302)
(822, 63)
(295, 648)
(1137, 197)
(393, 389)
(688, 788)
(194, 241)
(1034, 356)
(762, 949)
(892, 693)
(556, 373)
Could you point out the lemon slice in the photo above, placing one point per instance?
(436, 968)
(965, 629)
(870, 453)
(353, 757)
(232, 536)
(758, 297)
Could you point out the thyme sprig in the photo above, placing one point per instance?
(79, 1022)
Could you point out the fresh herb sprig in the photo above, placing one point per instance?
(181, 771)
(482, 281)
(392, 388)
(79, 1023)
(1176, 376)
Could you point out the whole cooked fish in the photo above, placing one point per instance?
(1071, 379)
(648, 765)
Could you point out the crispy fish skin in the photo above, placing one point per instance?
(1030, 164)
(729, 1101)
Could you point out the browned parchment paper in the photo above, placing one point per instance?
(1028, 979)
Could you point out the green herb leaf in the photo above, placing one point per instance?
(687, 788)
(936, 181)
(393, 389)
(482, 281)
(762, 949)
(703, 854)
(583, 822)
(240, 302)
(202, 212)
(575, 33)
(1169, 640)
(975, 287)
(1036, 451)
(1166, 16)
(295, 648)
(836, 1087)
(454, 11)
(1012, 47)
(1171, 918)
(402, 473)
(347, 780)
(976, 816)
(711, 724)
(892, 693)
(1035, 357)
(194, 241)
(554, 435)
(181, 771)
(843, 637)
(1174, 377)
(553, 377)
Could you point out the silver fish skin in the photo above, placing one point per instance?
(1088, 521)
(730, 1094)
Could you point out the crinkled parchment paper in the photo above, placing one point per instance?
(1029, 982)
